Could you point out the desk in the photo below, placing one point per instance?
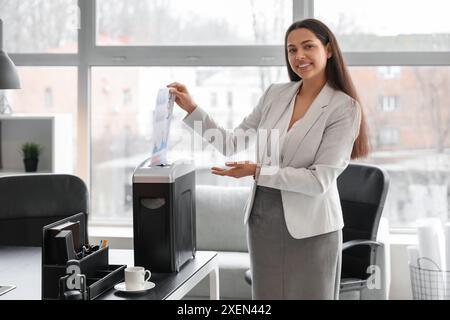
(21, 266)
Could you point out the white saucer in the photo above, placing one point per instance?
(122, 287)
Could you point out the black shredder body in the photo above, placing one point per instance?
(164, 216)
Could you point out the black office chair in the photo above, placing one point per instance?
(29, 202)
(362, 189)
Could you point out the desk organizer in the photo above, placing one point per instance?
(100, 275)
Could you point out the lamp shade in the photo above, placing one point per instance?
(9, 79)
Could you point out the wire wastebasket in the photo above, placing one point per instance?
(428, 284)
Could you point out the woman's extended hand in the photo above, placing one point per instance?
(238, 170)
(183, 98)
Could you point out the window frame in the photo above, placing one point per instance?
(90, 55)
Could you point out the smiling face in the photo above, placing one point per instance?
(307, 55)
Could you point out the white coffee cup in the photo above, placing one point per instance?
(136, 277)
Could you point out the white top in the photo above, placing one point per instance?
(284, 135)
(287, 134)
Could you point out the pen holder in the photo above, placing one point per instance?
(99, 274)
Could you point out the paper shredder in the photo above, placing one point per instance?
(164, 215)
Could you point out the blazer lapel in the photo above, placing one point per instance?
(279, 105)
(309, 119)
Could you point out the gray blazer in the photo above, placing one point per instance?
(317, 151)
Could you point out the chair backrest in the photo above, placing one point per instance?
(362, 190)
(29, 202)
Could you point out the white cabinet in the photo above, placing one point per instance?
(52, 132)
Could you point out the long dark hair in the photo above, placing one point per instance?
(337, 75)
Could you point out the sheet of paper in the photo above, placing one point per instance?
(162, 116)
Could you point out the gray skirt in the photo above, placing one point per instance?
(284, 267)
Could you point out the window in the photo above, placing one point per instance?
(228, 53)
(413, 143)
(386, 73)
(230, 99)
(195, 22)
(388, 103)
(127, 98)
(384, 25)
(214, 102)
(48, 90)
(426, 201)
(40, 26)
(117, 149)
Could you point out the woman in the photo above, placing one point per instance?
(294, 215)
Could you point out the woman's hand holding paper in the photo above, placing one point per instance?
(182, 97)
